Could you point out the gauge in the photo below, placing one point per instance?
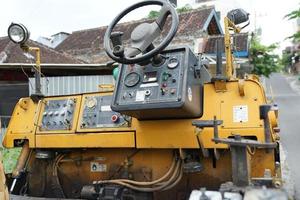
(173, 63)
(132, 79)
(91, 102)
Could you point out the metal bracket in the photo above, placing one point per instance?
(241, 87)
(240, 158)
(220, 84)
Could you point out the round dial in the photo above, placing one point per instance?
(91, 102)
(132, 79)
(173, 63)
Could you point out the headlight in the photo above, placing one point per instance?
(18, 33)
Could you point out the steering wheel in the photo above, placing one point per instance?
(143, 36)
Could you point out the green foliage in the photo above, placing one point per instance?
(295, 37)
(154, 14)
(286, 59)
(10, 157)
(294, 15)
(263, 58)
(185, 8)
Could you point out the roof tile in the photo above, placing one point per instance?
(93, 38)
(15, 54)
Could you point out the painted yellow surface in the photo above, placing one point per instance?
(22, 123)
(83, 140)
(180, 133)
(176, 133)
(228, 52)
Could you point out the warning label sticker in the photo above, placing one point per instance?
(97, 167)
(240, 113)
(140, 95)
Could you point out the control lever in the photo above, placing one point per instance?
(263, 114)
(116, 39)
(197, 68)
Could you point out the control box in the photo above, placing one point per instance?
(169, 90)
(96, 113)
(58, 114)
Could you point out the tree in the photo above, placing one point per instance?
(263, 58)
(154, 14)
(286, 60)
(294, 15)
(185, 8)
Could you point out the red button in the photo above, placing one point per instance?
(114, 118)
(164, 85)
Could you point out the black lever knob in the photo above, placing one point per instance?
(263, 114)
(116, 38)
(263, 111)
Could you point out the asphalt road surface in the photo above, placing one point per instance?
(288, 100)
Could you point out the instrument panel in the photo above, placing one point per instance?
(82, 113)
(97, 114)
(168, 90)
(152, 84)
(58, 114)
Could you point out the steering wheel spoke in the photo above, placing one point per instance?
(131, 52)
(163, 15)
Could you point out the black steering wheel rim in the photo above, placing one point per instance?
(157, 49)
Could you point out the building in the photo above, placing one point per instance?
(240, 50)
(87, 44)
(222, 6)
(16, 68)
(54, 40)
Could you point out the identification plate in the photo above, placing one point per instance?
(98, 167)
(240, 113)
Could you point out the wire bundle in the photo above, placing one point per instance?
(166, 182)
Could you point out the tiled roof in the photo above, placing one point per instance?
(240, 43)
(12, 53)
(93, 38)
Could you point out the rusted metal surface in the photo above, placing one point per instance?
(16, 197)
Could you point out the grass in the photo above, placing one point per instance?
(10, 157)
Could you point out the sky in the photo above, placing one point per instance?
(47, 17)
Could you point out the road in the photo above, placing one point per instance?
(288, 100)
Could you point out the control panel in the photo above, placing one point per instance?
(96, 113)
(58, 114)
(168, 90)
(152, 84)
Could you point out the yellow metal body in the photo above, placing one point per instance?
(228, 51)
(37, 57)
(151, 142)
(175, 133)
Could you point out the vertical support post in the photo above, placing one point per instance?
(228, 53)
(37, 71)
(263, 114)
(241, 169)
(219, 67)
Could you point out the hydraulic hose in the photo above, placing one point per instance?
(151, 182)
(175, 178)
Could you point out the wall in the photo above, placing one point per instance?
(65, 85)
